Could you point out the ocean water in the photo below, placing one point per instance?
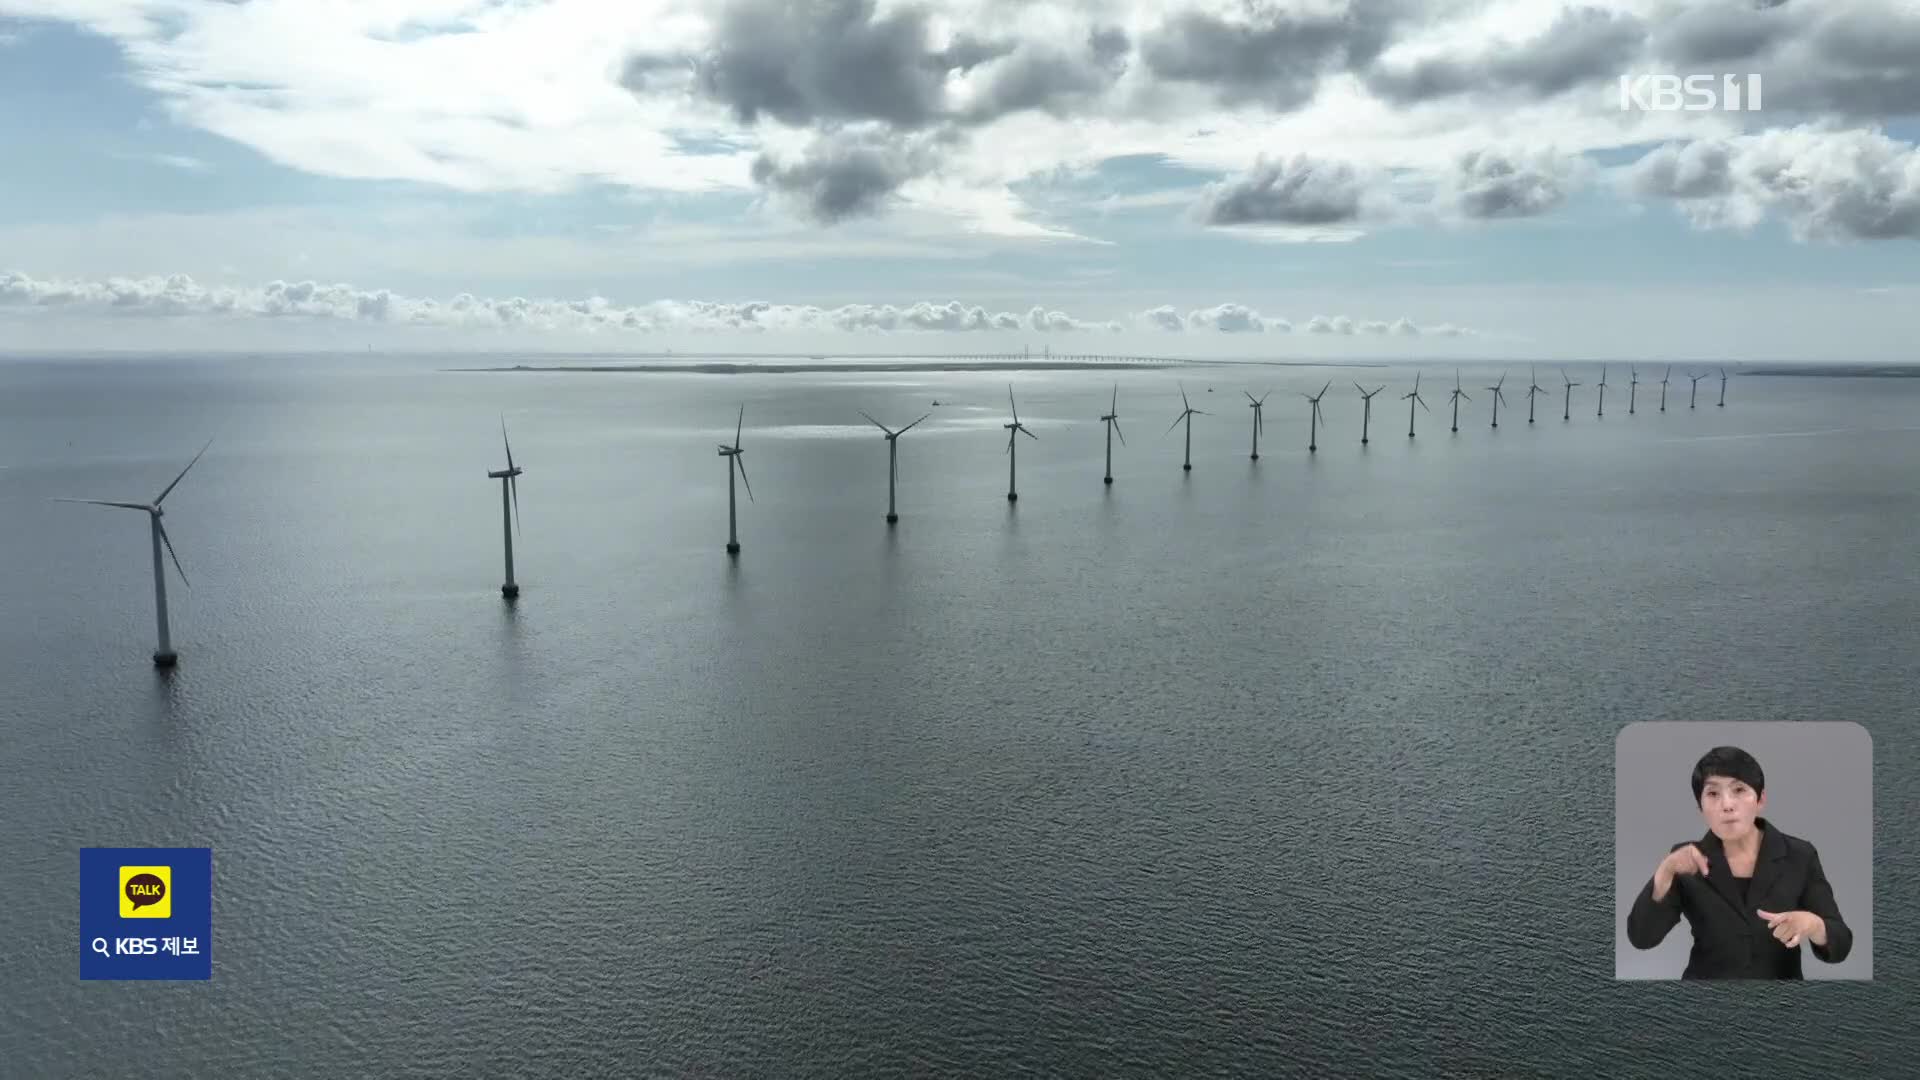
(1300, 767)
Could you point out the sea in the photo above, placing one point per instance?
(1291, 767)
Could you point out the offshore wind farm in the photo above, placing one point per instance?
(970, 724)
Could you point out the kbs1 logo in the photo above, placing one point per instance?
(1650, 92)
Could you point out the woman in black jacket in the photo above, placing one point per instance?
(1750, 893)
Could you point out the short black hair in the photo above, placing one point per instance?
(1730, 761)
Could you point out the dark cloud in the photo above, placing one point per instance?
(1582, 46)
(1302, 191)
(1276, 58)
(1049, 78)
(831, 62)
(809, 61)
(846, 174)
(1729, 32)
(1495, 185)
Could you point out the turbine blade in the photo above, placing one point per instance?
(877, 423)
(1023, 430)
(1251, 398)
(183, 474)
(167, 540)
(1423, 403)
(1115, 407)
(513, 485)
(738, 424)
(504, 440)
(1323, 390)
(1362, 389)
(103, 502)
(910, 427)
(1176, 422)
(740, 460)
(1011, 405)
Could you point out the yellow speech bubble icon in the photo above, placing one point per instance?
(146, 892)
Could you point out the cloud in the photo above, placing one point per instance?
(180, 296)
(1828, 185)
(1229, 318)
(1276, 56)
(1049, 322)
(847, 174)
(1583, 45)
(1857, 60)
(1300, 191)
(1492, 184)
(1234, 319)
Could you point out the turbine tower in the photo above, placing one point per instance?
(1313, 421)
(732, 454)
(163, 655)
(1411, 399)
(1663, 387)
(1366, 409)
(893, 458)
(1187, 414)
(1567, 412)
(509, 508)
(1603, 391)
(1693, 392)
(1014, 429)
(1533, 389)
(1457, 395)
(1112, 420)
(1633, 388)
(1258, 403)
(1723, 388)
(1498, 397)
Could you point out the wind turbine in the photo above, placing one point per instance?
(1663, 387)
(1633, 388)
(1313, 422)
(1533, 389)
(1410, 399)
(1498, 397)
(1457, 395)
(732, 454)
(1723, 388)
(1694, 391)
(893, 458)
(1567, 412)
(163, 656)
(1366, 409)
(1603, 391)
(1112, 420)
(1186, 414)
(1258, 403)
(509, 514)
(1017, 428)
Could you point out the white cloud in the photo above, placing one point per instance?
(1230, 318)
(1828, 185)
(476, 96)
(178, 295)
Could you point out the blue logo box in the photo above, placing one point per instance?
(146, 913)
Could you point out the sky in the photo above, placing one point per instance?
(1251, 178)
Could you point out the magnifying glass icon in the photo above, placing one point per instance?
(100, 946)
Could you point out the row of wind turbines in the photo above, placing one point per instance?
(164, 655)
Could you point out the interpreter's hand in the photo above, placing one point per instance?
(1790, 928)
(1684, 860)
